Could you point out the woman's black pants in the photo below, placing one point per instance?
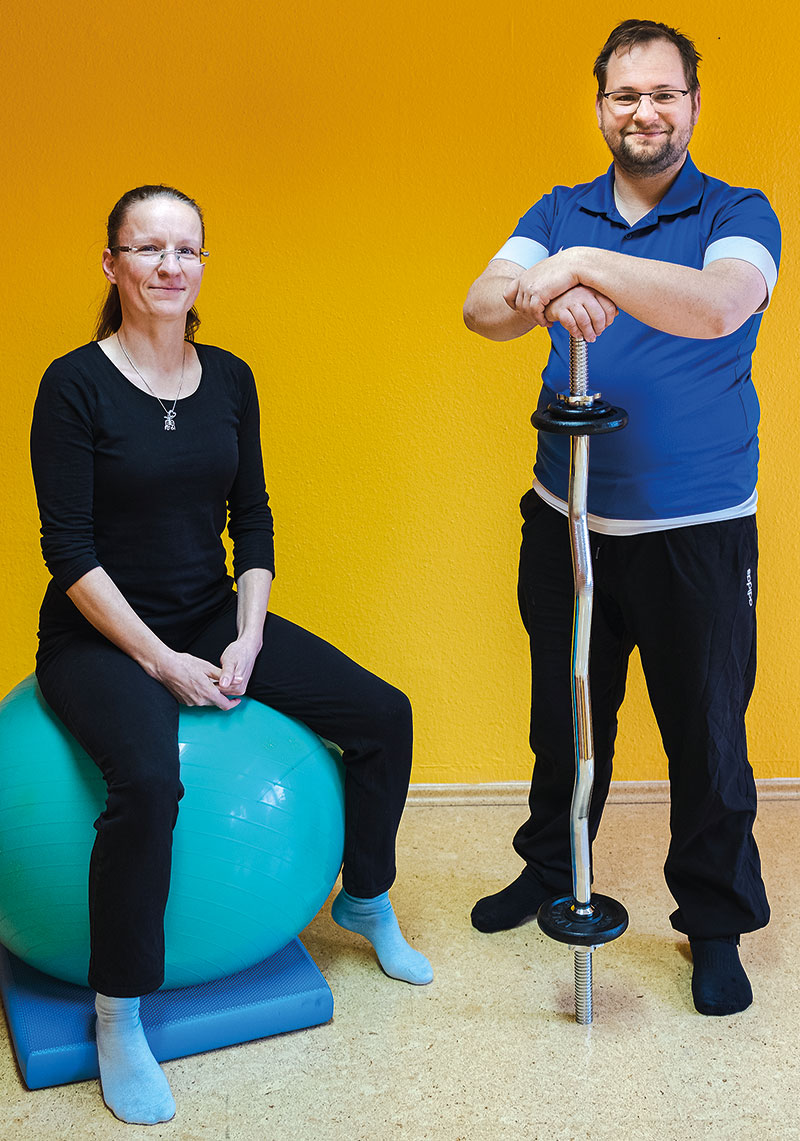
(686, 597)
(128, 724)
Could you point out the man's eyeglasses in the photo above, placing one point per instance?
(629, 100)
(189, 255)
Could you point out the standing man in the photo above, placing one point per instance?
(668, 271)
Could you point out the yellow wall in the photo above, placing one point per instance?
(359, 163)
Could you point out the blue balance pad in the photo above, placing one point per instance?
(52, 1022)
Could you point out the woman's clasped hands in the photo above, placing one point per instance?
(193, 681)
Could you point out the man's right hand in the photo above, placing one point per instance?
(582, 311)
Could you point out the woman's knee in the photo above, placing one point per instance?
(390, 714)
(144, 784)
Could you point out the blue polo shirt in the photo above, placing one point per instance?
(690, 451)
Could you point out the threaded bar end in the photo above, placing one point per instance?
(578, 367)
(583, 987)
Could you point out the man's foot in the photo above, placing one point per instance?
(376, 921)
(719, 983)
(134, 1086)
(511, 906)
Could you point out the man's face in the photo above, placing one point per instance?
(646, 140)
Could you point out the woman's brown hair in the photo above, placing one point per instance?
(110, 317)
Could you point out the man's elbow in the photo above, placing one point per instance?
(470, 319)
(717, 325)
(476, 321)
(726, 317)
(736, 292)
(484, 319)
(491, 329)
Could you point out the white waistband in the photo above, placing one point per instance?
(604, 526)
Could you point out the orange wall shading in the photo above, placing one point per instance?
(358, 165)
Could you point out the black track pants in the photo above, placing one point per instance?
(686, 598)
(128, 723)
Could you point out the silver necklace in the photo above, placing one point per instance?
(169, 413)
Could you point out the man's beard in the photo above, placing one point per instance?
(646, 161)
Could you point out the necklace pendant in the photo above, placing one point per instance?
(169, 421)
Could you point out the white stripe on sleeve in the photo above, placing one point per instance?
(745, 249)
(523, 251)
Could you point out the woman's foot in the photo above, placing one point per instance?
(134, 1086)
(375, 920)
(719, 982)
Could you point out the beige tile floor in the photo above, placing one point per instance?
(490, 1050)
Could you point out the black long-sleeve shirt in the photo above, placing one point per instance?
(149, 506)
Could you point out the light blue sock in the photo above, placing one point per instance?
(375, 920)
(134, 1086)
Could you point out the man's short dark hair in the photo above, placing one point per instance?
(632, 32)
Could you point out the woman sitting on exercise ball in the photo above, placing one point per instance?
(143, 441)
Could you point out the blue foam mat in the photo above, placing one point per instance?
(52, 1022)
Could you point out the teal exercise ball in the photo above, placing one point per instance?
(257, 847)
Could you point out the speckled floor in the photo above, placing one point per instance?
(490, 1050)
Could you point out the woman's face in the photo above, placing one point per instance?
(161, 290)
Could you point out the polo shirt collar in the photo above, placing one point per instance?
(685, 193)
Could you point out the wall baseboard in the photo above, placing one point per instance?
(515, 792)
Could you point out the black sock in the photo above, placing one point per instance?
(719, 983)
(511, 906)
